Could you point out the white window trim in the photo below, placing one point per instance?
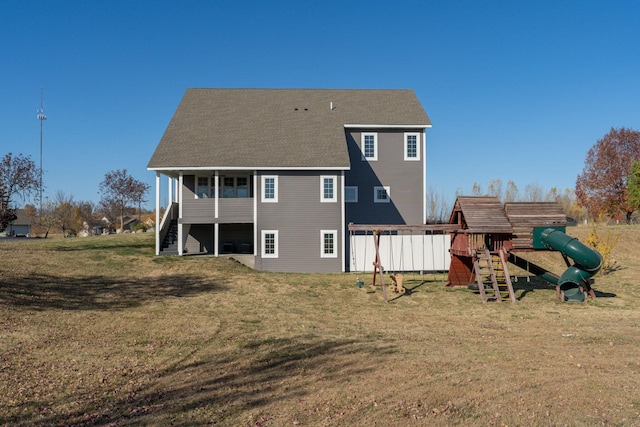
(275, 189)
(335, 244)
(375, 194)
(334, 180)
(375, 145)
(406, 147)
(275, 243)
(355, 188)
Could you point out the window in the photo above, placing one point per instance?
(242, 187)
(270, 189)
(328, 242)
(351, 194)
(228, 188)
(328, 189)
(234, 187)
(203, 187)
(369, 146)
(269, 243)
(412, 146)
(381, 194)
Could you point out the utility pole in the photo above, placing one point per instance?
(42, 118)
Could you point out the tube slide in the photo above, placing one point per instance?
(587, 262)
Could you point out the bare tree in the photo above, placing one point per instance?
(63, 208)
(19, 176)
(119, 190)
(438, 207)
(511, 193)
(602, 186)
(533, 193)
(495, 188)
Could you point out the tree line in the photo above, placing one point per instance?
(439, 207)
(121, 195)
(607, 188)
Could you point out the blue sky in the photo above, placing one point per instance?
(515, 90)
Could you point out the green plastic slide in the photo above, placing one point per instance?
(587, 262)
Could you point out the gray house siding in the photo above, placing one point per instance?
(405, 179)
(299, 216)
(200, 239)
(235, 211)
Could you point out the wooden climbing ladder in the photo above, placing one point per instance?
(492, 273)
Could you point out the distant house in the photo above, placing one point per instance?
(149, 220)
(130, 222)
(21, 226)
(280, 173)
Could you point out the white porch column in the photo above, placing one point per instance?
(342, 222)
(180, 225)
(256, 194)
(157, 213)
(216, 185)
(424, 176)
(216, 238)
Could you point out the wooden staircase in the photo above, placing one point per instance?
(492, 274)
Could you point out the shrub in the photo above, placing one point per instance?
(605, 246)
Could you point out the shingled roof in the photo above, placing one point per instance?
(481, 215)
(277, 128)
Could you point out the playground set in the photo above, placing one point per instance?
(486, 236)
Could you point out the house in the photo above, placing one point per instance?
(280, 173)
(21, 226)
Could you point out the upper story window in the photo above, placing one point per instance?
(328, 189)
(412, 146)
(270, 188)
(203, 187)
(235, 187)
(369, 146)
(382, 194)
(351, 194)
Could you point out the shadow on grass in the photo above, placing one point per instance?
(218, 385)
(110, 246)
(45, 292)
(528, 284)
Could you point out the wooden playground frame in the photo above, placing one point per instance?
(485, 236)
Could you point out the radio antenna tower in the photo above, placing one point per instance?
(42, 118)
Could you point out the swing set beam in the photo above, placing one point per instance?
(441, 228)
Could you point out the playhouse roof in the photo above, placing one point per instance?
(535, 214)
(480, 215)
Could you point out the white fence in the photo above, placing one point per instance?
(401, 252)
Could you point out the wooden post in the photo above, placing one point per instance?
(377, 267)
